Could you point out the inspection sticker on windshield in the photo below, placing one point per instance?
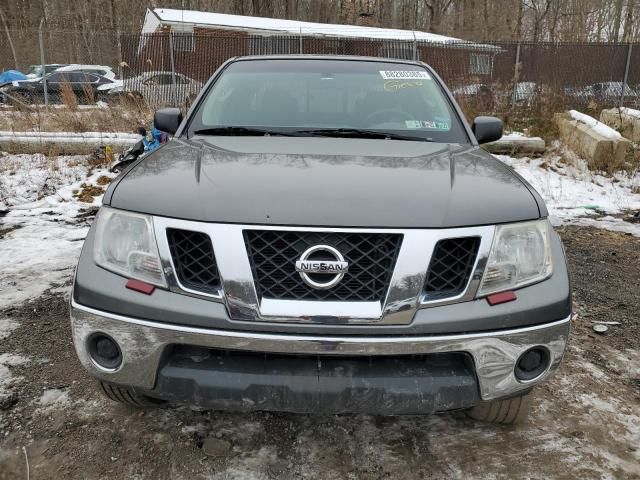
(428, 124)
(404, 75)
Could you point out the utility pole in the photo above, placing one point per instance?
(44, 73)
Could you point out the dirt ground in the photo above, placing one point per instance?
(585, 422)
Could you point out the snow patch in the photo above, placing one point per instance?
(54, 398)
(41, 236)
(575, 195)
(598, 127)
(6, 327)
(35, 257)
(250, 466)
(8, 360)
(630, 111)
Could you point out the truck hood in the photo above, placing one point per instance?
(319, 181)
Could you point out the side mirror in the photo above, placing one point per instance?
(487, 129)
(167, 120)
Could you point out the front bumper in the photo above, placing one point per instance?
(144, 343)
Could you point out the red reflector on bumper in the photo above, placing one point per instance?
(502, 297)
(141, 287)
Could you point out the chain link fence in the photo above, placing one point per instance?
(486, 78)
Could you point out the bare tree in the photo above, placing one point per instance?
(6, 29)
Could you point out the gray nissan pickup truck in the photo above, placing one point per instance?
(323, 235)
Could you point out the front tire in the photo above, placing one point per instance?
(128, 396)
(510, 411)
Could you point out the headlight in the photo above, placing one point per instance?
(520, 255)
(125, 244)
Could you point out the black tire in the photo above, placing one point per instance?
(511, 411)
(128, 396)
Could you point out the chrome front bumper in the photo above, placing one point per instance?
(143, 343)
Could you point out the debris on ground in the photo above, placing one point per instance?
(103, 180)
(215, 447)
(600, 328)
(88, 193)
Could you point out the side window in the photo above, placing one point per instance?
(164, 79)
(402, 50)
(266, 45)
(183, 42)
(152, 81)
(75, 77)
(479, 64)
(92, 78)
(54, 78)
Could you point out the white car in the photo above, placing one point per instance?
(525, 93)
(102, 70)
(157, 88)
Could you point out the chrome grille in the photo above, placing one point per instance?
(371, 257)
(451, 267)
(194, 260)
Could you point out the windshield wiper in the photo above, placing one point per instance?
(240, 131)
(359, 133)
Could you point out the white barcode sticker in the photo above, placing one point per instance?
(404, 75)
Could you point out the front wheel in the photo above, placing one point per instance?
(128, 396)
(510, 411)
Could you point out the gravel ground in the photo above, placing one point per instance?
(585, 423)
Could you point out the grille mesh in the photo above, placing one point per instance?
(194, 261)
(371, 258)
(450, 267)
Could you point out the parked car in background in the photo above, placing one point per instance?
(524, 93)
(578, 96)
(480, 94)
(610, 93)
(156, 88)
(84, 86)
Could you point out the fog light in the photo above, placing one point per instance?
(532, 363)
(105, 351)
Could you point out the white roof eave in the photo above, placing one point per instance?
(272, 26)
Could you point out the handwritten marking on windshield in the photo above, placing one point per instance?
(395, 85)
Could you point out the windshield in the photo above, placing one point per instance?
(310, 95)
(35, 70)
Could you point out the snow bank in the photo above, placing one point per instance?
(598, 127)
(631, 112)
(575, 195)
(96, 138)
(43, 235)
(36, 256)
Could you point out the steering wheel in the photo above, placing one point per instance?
(387, 115)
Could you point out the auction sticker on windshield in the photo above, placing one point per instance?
(404, 75)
